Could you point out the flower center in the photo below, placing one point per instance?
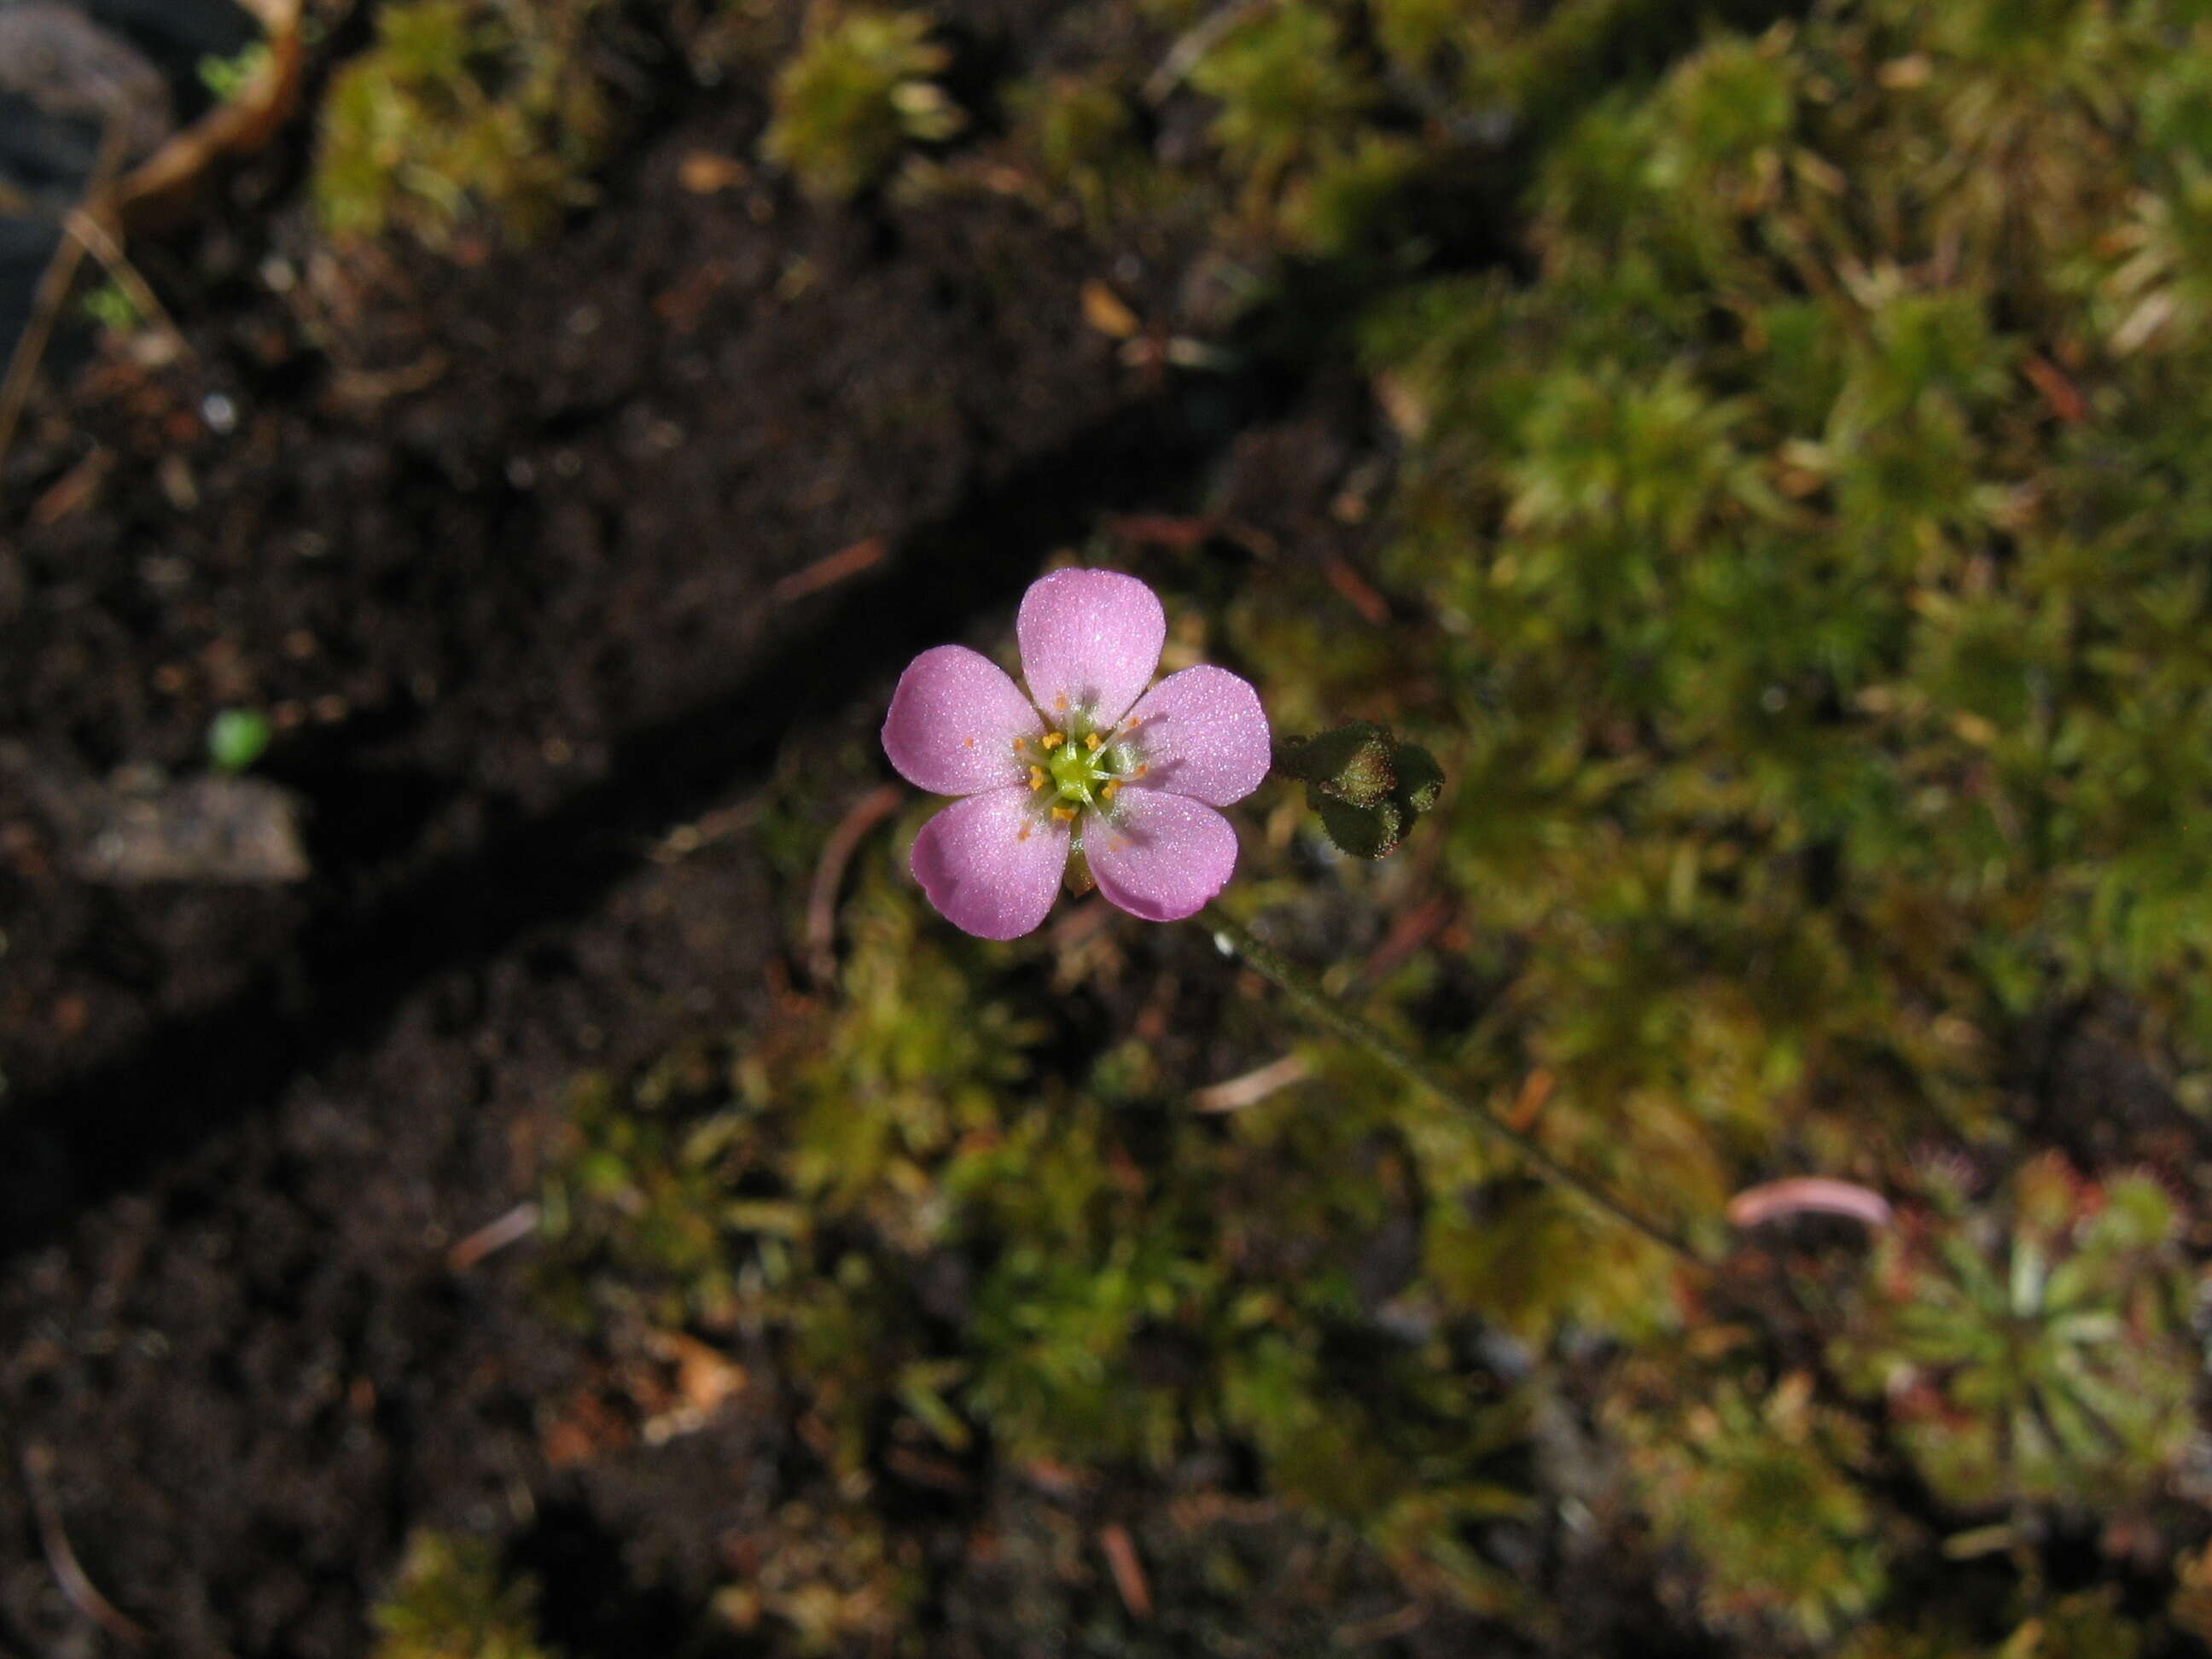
(1078, 766)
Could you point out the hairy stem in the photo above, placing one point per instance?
(1340, 1022)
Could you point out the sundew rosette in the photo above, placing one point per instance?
(1085, 761)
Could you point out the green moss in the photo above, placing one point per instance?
(452, 1603)
(834, 1583)
(808, 1182)
(1809, 554)
(1286, 90)
(858, 92)
(1797, 561)
(1766, 1493)
(462, 107)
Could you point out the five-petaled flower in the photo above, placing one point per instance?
(1088, 759)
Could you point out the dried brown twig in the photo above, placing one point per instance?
(69, 1572)
(829, 572)
(114, 198)
(94, 239)
(53, 290)
(517, 1224)
(871, 810)
(1253, 1086)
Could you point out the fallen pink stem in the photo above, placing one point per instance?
(1803, 1194)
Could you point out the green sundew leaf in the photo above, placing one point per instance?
(2029, 1267)
(2087, 1328)
(1971, 1271)
(2137, 1214)
(2078, 1279)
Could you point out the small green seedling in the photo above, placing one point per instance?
(237, 737)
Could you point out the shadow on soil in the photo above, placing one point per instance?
(109, 1128)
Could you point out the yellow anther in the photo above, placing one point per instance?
(1053, 739)
(1038, 778)
(1094, 743)
(1020, 743)
(1064, 814)
(1111, 785)
(1059, 702)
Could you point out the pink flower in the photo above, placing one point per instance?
(1088, 757)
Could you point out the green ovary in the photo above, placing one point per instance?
(1076, 774)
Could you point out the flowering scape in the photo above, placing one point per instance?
(1088, 761)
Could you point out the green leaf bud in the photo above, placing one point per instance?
(1364, 832)
(1368, 788)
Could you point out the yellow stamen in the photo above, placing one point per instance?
(1037, 777)
(1064, 814)
(1094, 743)
(1053, 739)
(1059, 702)
(1020, 743)
(1107, 792)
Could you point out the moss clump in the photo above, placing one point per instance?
(463, 108)
(860, 89)
(1287, 91)
(1766, 1494)
(451, 1602)
(950, 1211)
(1086, 134)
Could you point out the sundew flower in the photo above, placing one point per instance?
(1087, 761)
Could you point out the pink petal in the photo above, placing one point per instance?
(953, 721)
(1090, 640)
(1202, 733)
(992, 862)
(1160, 856)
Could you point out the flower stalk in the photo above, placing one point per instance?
(1332, 1017)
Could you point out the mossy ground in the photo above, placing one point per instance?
(1790, 551)
(1758, 451)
